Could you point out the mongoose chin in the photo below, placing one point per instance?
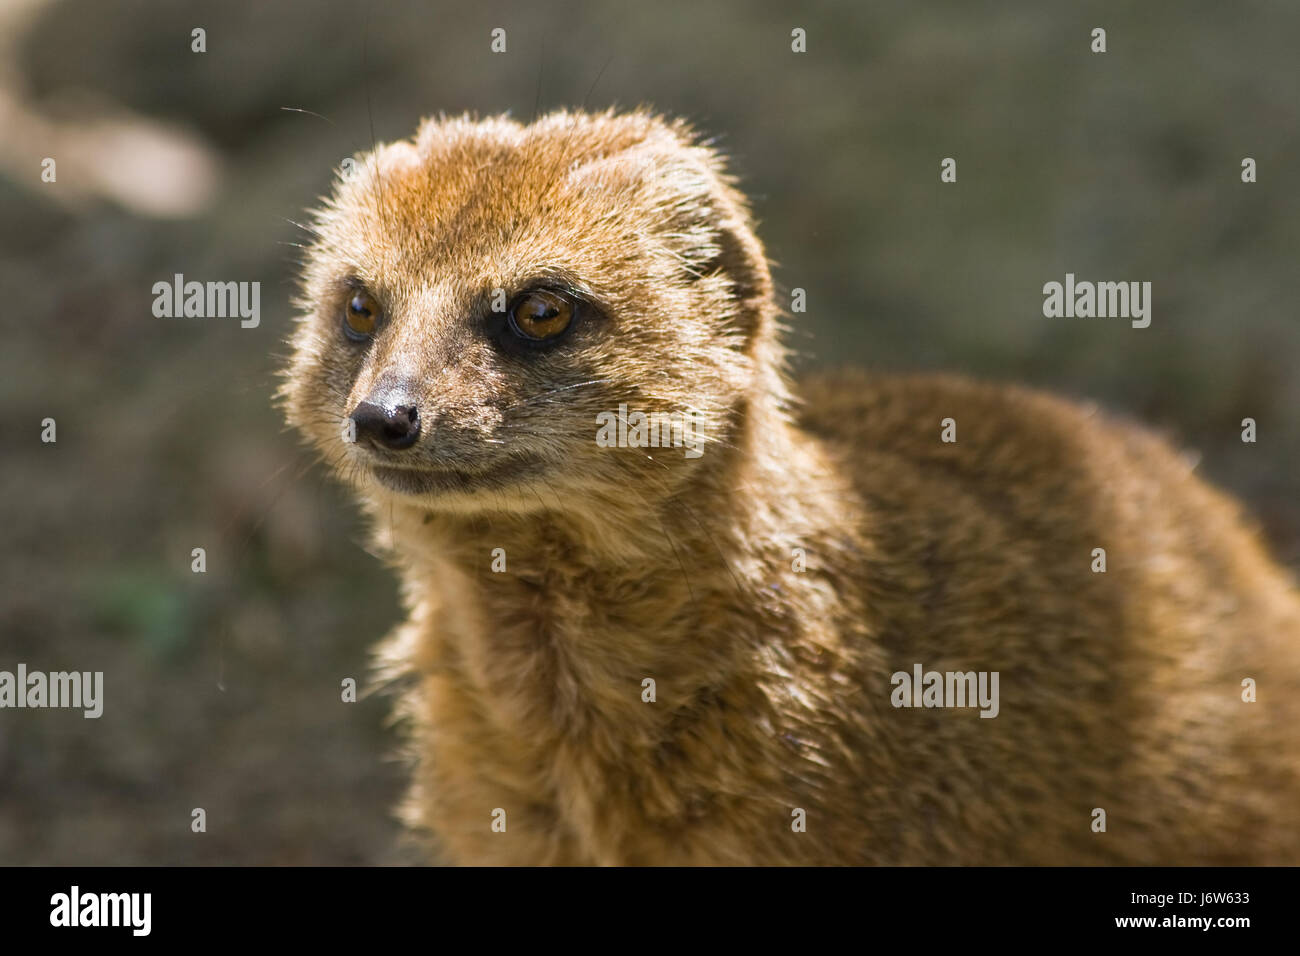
(617, 652)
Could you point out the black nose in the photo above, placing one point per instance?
(387, 426)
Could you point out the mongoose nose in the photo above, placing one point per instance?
(387, 426)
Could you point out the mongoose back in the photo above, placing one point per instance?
(665, 608)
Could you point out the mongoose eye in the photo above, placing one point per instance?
(361, 316)
(541, 315)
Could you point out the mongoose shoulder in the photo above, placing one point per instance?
(661, 604)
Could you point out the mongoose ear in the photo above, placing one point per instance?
(741, 260)
(717, 212)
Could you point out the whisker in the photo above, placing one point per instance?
(295, 109)
(554, 391)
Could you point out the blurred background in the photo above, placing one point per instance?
(223, 689)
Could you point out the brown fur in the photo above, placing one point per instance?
(524, 689)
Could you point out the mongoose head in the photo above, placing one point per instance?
(479, 301)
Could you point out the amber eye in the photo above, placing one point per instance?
(361, 315)
(541, 315)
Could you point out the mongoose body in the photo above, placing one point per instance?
(633, 655)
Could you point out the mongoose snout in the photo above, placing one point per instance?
(387, 420)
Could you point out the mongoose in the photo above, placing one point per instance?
(699, 653)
